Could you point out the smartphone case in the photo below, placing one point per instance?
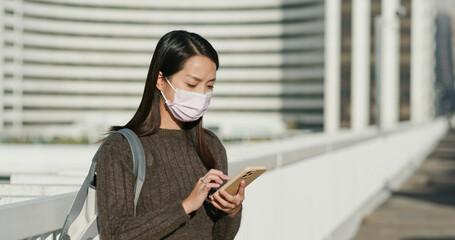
(249, 174)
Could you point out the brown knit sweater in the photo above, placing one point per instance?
(173, 169)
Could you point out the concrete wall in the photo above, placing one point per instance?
(325, 197)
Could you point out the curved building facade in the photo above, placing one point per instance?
(76, 67)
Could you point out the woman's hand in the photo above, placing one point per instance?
(228, 203)
(213, 179)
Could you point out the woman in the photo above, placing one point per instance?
(184, 161)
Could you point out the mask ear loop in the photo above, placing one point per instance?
(165, 99)
(169, 83)
(162, 94)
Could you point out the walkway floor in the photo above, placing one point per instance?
(424, 208)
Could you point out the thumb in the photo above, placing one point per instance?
(242, 188)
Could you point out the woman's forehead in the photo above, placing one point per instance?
(199, 68)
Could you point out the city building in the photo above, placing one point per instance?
(73, 68)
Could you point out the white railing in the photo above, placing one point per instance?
(317, 186)
(35, 219)
(323, 191)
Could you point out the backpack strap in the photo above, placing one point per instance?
(139, 166)
(92, 230)
(138, 161)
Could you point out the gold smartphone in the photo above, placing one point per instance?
(249, 174)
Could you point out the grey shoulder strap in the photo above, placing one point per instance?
(139, 163)
(139, 166)
(92, 230)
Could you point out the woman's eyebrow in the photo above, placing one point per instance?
(198, 79)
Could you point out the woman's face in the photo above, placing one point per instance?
(198, 75)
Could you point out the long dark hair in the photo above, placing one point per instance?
(170, 55)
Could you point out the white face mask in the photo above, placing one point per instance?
(187, 106)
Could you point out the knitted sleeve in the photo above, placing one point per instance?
(226, 227)
(115, 198)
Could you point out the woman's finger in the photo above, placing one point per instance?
(212, 185)
(218, 173)
(228, 197)
(217, 205)
(241, 190)
(207, 184)
(223, 202)
(215, 171)
(212, 177)
(226, 177)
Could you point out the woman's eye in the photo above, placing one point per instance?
(191, 85)
(211, 87)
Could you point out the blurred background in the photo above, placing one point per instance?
(343, 100)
